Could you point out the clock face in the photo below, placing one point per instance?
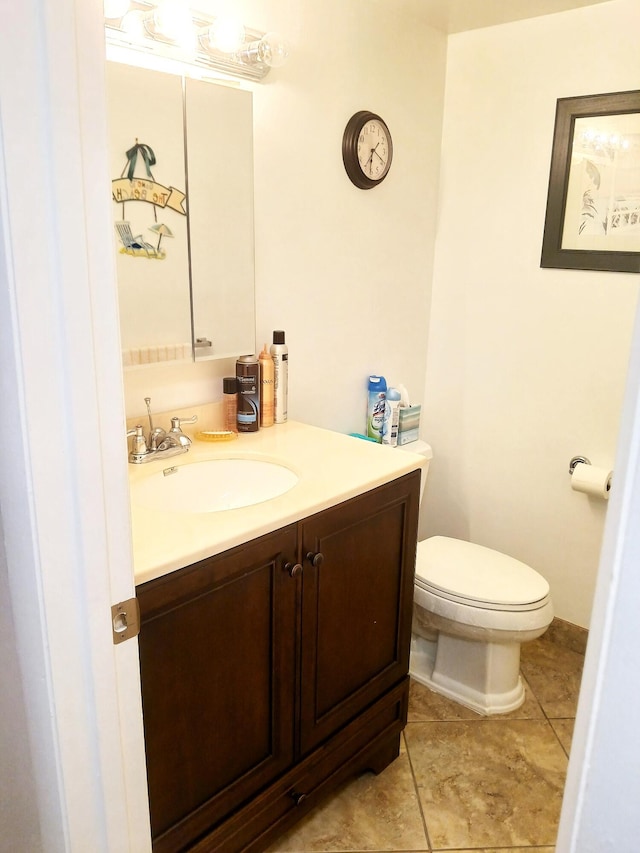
(367, 150)
(373, 150)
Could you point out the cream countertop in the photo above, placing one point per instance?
(331, 468)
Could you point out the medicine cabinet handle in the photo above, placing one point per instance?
(316, 560)
(294, 569)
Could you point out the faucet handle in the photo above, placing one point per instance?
(139, 448)
(175, 430)
(176, 423)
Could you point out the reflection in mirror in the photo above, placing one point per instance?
(147, 158)
(219, 136)
(182, 189)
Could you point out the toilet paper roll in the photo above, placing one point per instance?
(591, 480)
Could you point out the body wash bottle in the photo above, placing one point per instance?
(230, 400)
(248, 379)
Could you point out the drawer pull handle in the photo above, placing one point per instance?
(316, 560)
(298, 798)
(294, 569)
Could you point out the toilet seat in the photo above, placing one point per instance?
(478, 577)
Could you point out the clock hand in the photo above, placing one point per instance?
(369, 162)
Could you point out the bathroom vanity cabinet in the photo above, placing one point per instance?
(277, 669)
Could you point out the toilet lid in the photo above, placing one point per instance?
(463, 571)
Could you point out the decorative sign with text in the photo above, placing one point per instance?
(131, 189)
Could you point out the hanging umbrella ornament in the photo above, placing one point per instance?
(163, 231)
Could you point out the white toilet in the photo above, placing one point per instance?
(473, 607)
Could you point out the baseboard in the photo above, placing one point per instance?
(566, 634)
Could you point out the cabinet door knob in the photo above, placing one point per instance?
(294, 569)
(316, 560)
(298, 798)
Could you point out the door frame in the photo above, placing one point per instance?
(63, 493)
(64, 501)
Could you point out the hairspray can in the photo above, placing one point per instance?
(248, 379)
(266, 388)
(280, 355)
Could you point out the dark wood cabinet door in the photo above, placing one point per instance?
(217, 659)
(356, 605)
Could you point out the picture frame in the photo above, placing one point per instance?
(592, 217)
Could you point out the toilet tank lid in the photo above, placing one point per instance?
(480, 574)
(420, 447)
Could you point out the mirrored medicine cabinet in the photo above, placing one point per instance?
(181, 158)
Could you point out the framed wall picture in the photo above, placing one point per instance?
(593, 205)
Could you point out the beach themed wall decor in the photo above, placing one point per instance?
(134, 189)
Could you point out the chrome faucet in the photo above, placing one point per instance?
(159, 444)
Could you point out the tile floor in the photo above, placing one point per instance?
(463, 782)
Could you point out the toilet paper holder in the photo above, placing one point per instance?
(577, 460)
(589, 479)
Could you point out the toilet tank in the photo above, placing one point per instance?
(421, 448)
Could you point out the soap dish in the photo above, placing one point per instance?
(216, 435)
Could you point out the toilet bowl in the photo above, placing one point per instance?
(473, 608)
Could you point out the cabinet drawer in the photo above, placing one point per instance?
(368, 743)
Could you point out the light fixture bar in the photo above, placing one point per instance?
(245, 62)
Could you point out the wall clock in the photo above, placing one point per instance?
(367, 149)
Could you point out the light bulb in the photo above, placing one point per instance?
(173, 20)
(273, 50)
(115, 8)
(133, 25)
(226, 34)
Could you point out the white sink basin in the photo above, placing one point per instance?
(212, 485)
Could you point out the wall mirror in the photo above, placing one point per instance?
(181, 155)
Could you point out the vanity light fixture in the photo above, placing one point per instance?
(169, 29)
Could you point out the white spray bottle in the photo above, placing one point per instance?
(391, 417)
(280, 354)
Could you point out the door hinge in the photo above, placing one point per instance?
(125, 620)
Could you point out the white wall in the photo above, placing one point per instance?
(345, 272)
(526, 367)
